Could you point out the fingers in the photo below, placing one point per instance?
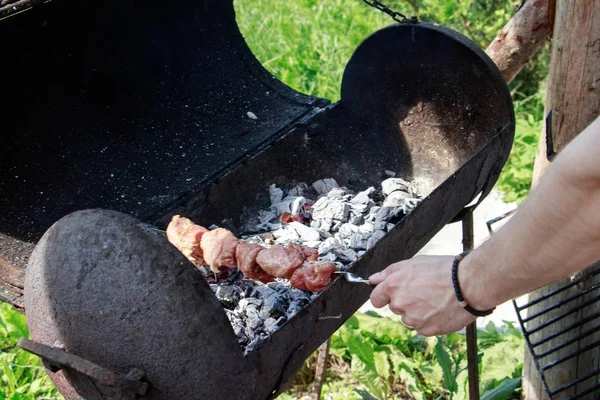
(380, 296)
(379, 277)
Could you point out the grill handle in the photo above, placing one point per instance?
(59, 359)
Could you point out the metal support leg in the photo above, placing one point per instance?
(472, 361)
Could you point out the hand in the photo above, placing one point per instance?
(421, 291)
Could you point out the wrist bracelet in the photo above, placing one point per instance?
(459, 296)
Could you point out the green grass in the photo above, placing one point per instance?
(22, 375)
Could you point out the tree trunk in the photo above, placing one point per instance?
(522, 37)
(574, 98)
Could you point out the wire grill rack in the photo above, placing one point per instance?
(562, 331)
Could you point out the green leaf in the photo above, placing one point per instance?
(503, 390)
(367, 375)
(365, 395)
(446, 363)
(359, 346)
(8, 375)
(382, 364)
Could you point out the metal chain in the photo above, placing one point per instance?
(398, 17)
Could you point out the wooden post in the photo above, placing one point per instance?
(574, 98)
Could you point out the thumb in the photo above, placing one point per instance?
(379, 277)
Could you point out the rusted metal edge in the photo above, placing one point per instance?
(59, 359)
(19, 6)
(11, 284)
(11, 274)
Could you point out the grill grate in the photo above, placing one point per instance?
(560, 325)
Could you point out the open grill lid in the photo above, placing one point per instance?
(126, 90)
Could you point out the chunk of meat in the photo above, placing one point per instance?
(318, 274)
(186, 236)
(310, 254)
(280, 261)
(297, 278)
(218, 247)
(246, 259)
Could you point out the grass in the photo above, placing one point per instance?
(23, 377)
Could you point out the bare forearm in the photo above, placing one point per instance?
(555, 233)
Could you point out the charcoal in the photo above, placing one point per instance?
(213, 287)
(389, 173)
(297, 205)
(331, 257)
(389, 227)
(313, 243)
(393, 184)
(299, 190)
(326, 208)
(356, 219)
(275, 194)
(298, 295)
(377, 236)
(396, 199)
(229, 295)
(360, 253)
(383, 216)
(347, 230)
(329, 245)
(262, 291)
(315, 223)
(367, 227)
(326, 225)
(273, 306)
(346, 255)
(324, 186)
(358, 240)
(284, 206)
(256, 341)
(359, 208)
(373, 210)
(410, 204)
(363, 197)
(272, 324)
(278, 286)
(336, 226)
(286, 234)
(307, 234)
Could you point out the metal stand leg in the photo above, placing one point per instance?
(472, 361)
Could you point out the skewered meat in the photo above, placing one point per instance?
(218, 247)
(318, 274)
(220, 250)
(186, 236)
(310, 254)
(297, 278)
(246, 258)
(280, 261)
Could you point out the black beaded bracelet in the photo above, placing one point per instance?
(459, 296)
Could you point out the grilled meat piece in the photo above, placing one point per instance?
(318, 274)
(186, 236)
(218, 247)
(297, 278)
(310, 254)
(246, 258)
(280, 261)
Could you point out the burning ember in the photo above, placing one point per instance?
(266, 277)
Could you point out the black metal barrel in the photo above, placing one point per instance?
(142, 108)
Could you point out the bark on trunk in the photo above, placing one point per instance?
(522, 37)
(574, 98)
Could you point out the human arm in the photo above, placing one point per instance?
(555, 233)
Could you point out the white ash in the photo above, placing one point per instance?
(340, 223)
